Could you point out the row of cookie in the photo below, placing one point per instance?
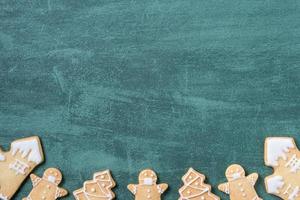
(25, 154)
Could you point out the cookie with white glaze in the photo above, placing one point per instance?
(17, 163)
(239, 186)
(46, 188)
(194, 187)
(282, 154)
(147, 188)
(100, 188)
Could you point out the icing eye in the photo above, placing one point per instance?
(93, 190)
(55, 174)
(145, 174)
(103, 184)
(102, 176)
(151, 175)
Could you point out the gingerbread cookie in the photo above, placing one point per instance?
(194, 187)
(239, 186)
(46, 188)
(147, 189)
(97, 189)
(282, 154)
(16, 164)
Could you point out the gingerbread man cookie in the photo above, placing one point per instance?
(194, 187)
(46, 188)
(97, 189)
(147, 189)
(239, 187)
(16, 164)
(282, 154)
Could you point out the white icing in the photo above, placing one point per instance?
(19, 167)
(3, 197)
(51, 179)
(148, 181)
(236, 175)
(28, 148)
(277, 148)
(274, 184)
(294, 194)
(293, 164)
(2, 157)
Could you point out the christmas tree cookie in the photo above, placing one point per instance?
(282, 154)
(46, 188)
(147, 189)
(239, 186)
(16, 164)
(97, 189)
(194, 187)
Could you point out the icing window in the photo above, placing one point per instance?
(293, 164)
(19, 167)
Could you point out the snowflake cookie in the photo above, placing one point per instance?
(282, 154)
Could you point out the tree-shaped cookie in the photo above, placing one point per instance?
(100, 188)
(147, 189)
(46, 188)
(239, 186)
(282, 154)
(194, 187)
(15, 165)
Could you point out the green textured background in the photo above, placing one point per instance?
(127, 85)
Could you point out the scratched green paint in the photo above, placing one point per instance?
(127, 85)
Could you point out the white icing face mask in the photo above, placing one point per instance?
(236, 175)
(51, 179)
(148, 181)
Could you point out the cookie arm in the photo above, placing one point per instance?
(162, 187)
(224, 187)
(61, 192)
(34, 179)
(252, 178)
(132, 188)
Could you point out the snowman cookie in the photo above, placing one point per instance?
(282, 154)
(97, 189)
(15, 165)
(194, 187)
(147, 189)
(239, 186)
(46, 188)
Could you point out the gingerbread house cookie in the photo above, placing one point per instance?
(282, 154)
(16, 164)
(194, 187)
(97, 189)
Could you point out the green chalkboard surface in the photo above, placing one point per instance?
(130, 84)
